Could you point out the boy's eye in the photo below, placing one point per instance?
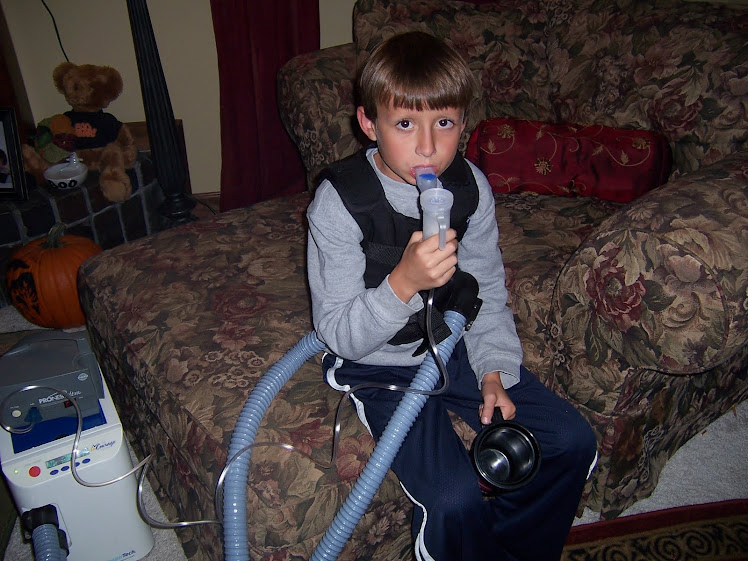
(406, 124)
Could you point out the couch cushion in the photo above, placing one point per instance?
(537, 234)
(502, 42)
(570, 160)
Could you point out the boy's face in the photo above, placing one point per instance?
(408, 139)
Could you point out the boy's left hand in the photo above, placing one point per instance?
(494, 395)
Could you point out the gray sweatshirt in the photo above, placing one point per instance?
(355, 323)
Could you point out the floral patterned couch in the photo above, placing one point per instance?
(636, 313)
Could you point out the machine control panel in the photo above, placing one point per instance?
(50, 460)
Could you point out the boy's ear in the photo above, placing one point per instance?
(367, 125)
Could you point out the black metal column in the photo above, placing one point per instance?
(159, 116)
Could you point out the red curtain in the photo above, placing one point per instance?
(253, 40)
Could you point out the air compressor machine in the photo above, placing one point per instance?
(100, 523)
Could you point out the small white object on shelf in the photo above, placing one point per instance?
(67, 175)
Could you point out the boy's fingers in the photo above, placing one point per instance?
(486, 409)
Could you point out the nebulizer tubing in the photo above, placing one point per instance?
(46, 544)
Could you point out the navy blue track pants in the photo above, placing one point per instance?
(451, 518)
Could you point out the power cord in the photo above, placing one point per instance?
(57, 31)
(200, 201)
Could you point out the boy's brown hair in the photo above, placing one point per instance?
(415, 70)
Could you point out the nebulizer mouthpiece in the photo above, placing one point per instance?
(436, 203)
(426, 178)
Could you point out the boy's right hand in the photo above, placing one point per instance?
(423, 265)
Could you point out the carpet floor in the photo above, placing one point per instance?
(707, 532)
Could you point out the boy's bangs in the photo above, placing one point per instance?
(422, 95)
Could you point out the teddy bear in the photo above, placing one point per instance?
(101, 141)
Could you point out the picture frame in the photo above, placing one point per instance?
(12, 176)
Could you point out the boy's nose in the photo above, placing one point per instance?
(425, 146)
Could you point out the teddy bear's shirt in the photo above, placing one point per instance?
(93, 130)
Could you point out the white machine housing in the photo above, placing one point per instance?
(101, 523)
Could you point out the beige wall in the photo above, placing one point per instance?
(98, 32)
(335, 22)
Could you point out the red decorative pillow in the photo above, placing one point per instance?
(570, 160)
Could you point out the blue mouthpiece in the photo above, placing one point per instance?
(426, 181)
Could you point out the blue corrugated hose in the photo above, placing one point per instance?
(236, 546)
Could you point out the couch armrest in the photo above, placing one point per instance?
(660, 285)
(316, 103)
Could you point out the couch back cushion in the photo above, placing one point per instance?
(503, 43)
(680, 68)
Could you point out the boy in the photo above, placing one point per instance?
(368, 267)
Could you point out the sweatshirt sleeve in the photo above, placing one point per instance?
(492, 341)
(350, 319)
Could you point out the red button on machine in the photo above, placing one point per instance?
(35, 471)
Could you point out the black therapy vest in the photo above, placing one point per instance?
(386, 232)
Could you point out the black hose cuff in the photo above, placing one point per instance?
(47, 514)
(464, 297)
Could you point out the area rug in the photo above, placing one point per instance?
(708, 532)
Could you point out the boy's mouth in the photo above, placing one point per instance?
(426, 168)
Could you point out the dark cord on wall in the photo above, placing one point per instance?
(57, 32)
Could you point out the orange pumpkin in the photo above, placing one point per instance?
(42, 278)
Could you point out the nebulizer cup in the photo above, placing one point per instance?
(436, 204)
